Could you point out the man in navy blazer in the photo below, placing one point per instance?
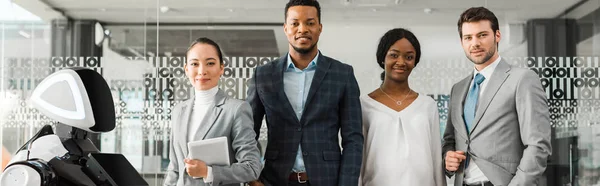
(307, 98)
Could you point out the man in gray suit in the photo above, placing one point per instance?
(498, 132)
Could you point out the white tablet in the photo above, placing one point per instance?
(214, 151)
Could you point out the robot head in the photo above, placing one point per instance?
(77, 97)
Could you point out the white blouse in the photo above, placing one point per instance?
(401, 148)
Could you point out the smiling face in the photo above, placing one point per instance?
(399, 61)
(203, 67)
(480, 42)
(302, 28)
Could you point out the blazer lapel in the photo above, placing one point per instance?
(498, 77)
(462, 90)
(211, 116)
(278, 86)
(184, 119)
(322, 69)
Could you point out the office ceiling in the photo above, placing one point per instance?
(271, 11)
(134, 42)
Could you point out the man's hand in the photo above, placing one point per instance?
(255, 183)
(453, 159)
(196, 168)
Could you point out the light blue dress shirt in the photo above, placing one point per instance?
(296, 84)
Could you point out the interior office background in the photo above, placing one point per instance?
(139, 47)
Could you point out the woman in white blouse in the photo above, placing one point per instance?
(210, 114)
(400, 127)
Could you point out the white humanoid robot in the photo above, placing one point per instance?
(79, 100)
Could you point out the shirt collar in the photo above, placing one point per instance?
(487, 71)
(311, 65)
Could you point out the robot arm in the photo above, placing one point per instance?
(43, 145)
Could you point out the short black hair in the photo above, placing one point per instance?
(204, 40)
(389, 38)
(476, 14)
(313, 3)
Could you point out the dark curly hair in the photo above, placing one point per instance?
(312, 3)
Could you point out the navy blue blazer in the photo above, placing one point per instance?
(332, 106)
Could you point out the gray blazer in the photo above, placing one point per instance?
(510, 138)
(231, 118)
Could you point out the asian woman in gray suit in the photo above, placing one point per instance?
(210, 114)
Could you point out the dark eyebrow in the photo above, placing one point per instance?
(207, 59)
(409, 52)
(477, 33)
(309, 19)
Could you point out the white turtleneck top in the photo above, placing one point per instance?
(203, 100)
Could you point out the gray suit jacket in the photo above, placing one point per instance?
(510, 137)
(229, 117)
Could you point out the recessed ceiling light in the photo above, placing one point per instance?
(164, 9)
(230, 9)
(428, 10)
(102, 9)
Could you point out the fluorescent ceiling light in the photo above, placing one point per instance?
(24, 34)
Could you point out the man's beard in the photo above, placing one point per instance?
(304, 50)
(488, 55)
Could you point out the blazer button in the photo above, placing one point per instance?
(467, 141)
(299, 128)
(305, 153)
